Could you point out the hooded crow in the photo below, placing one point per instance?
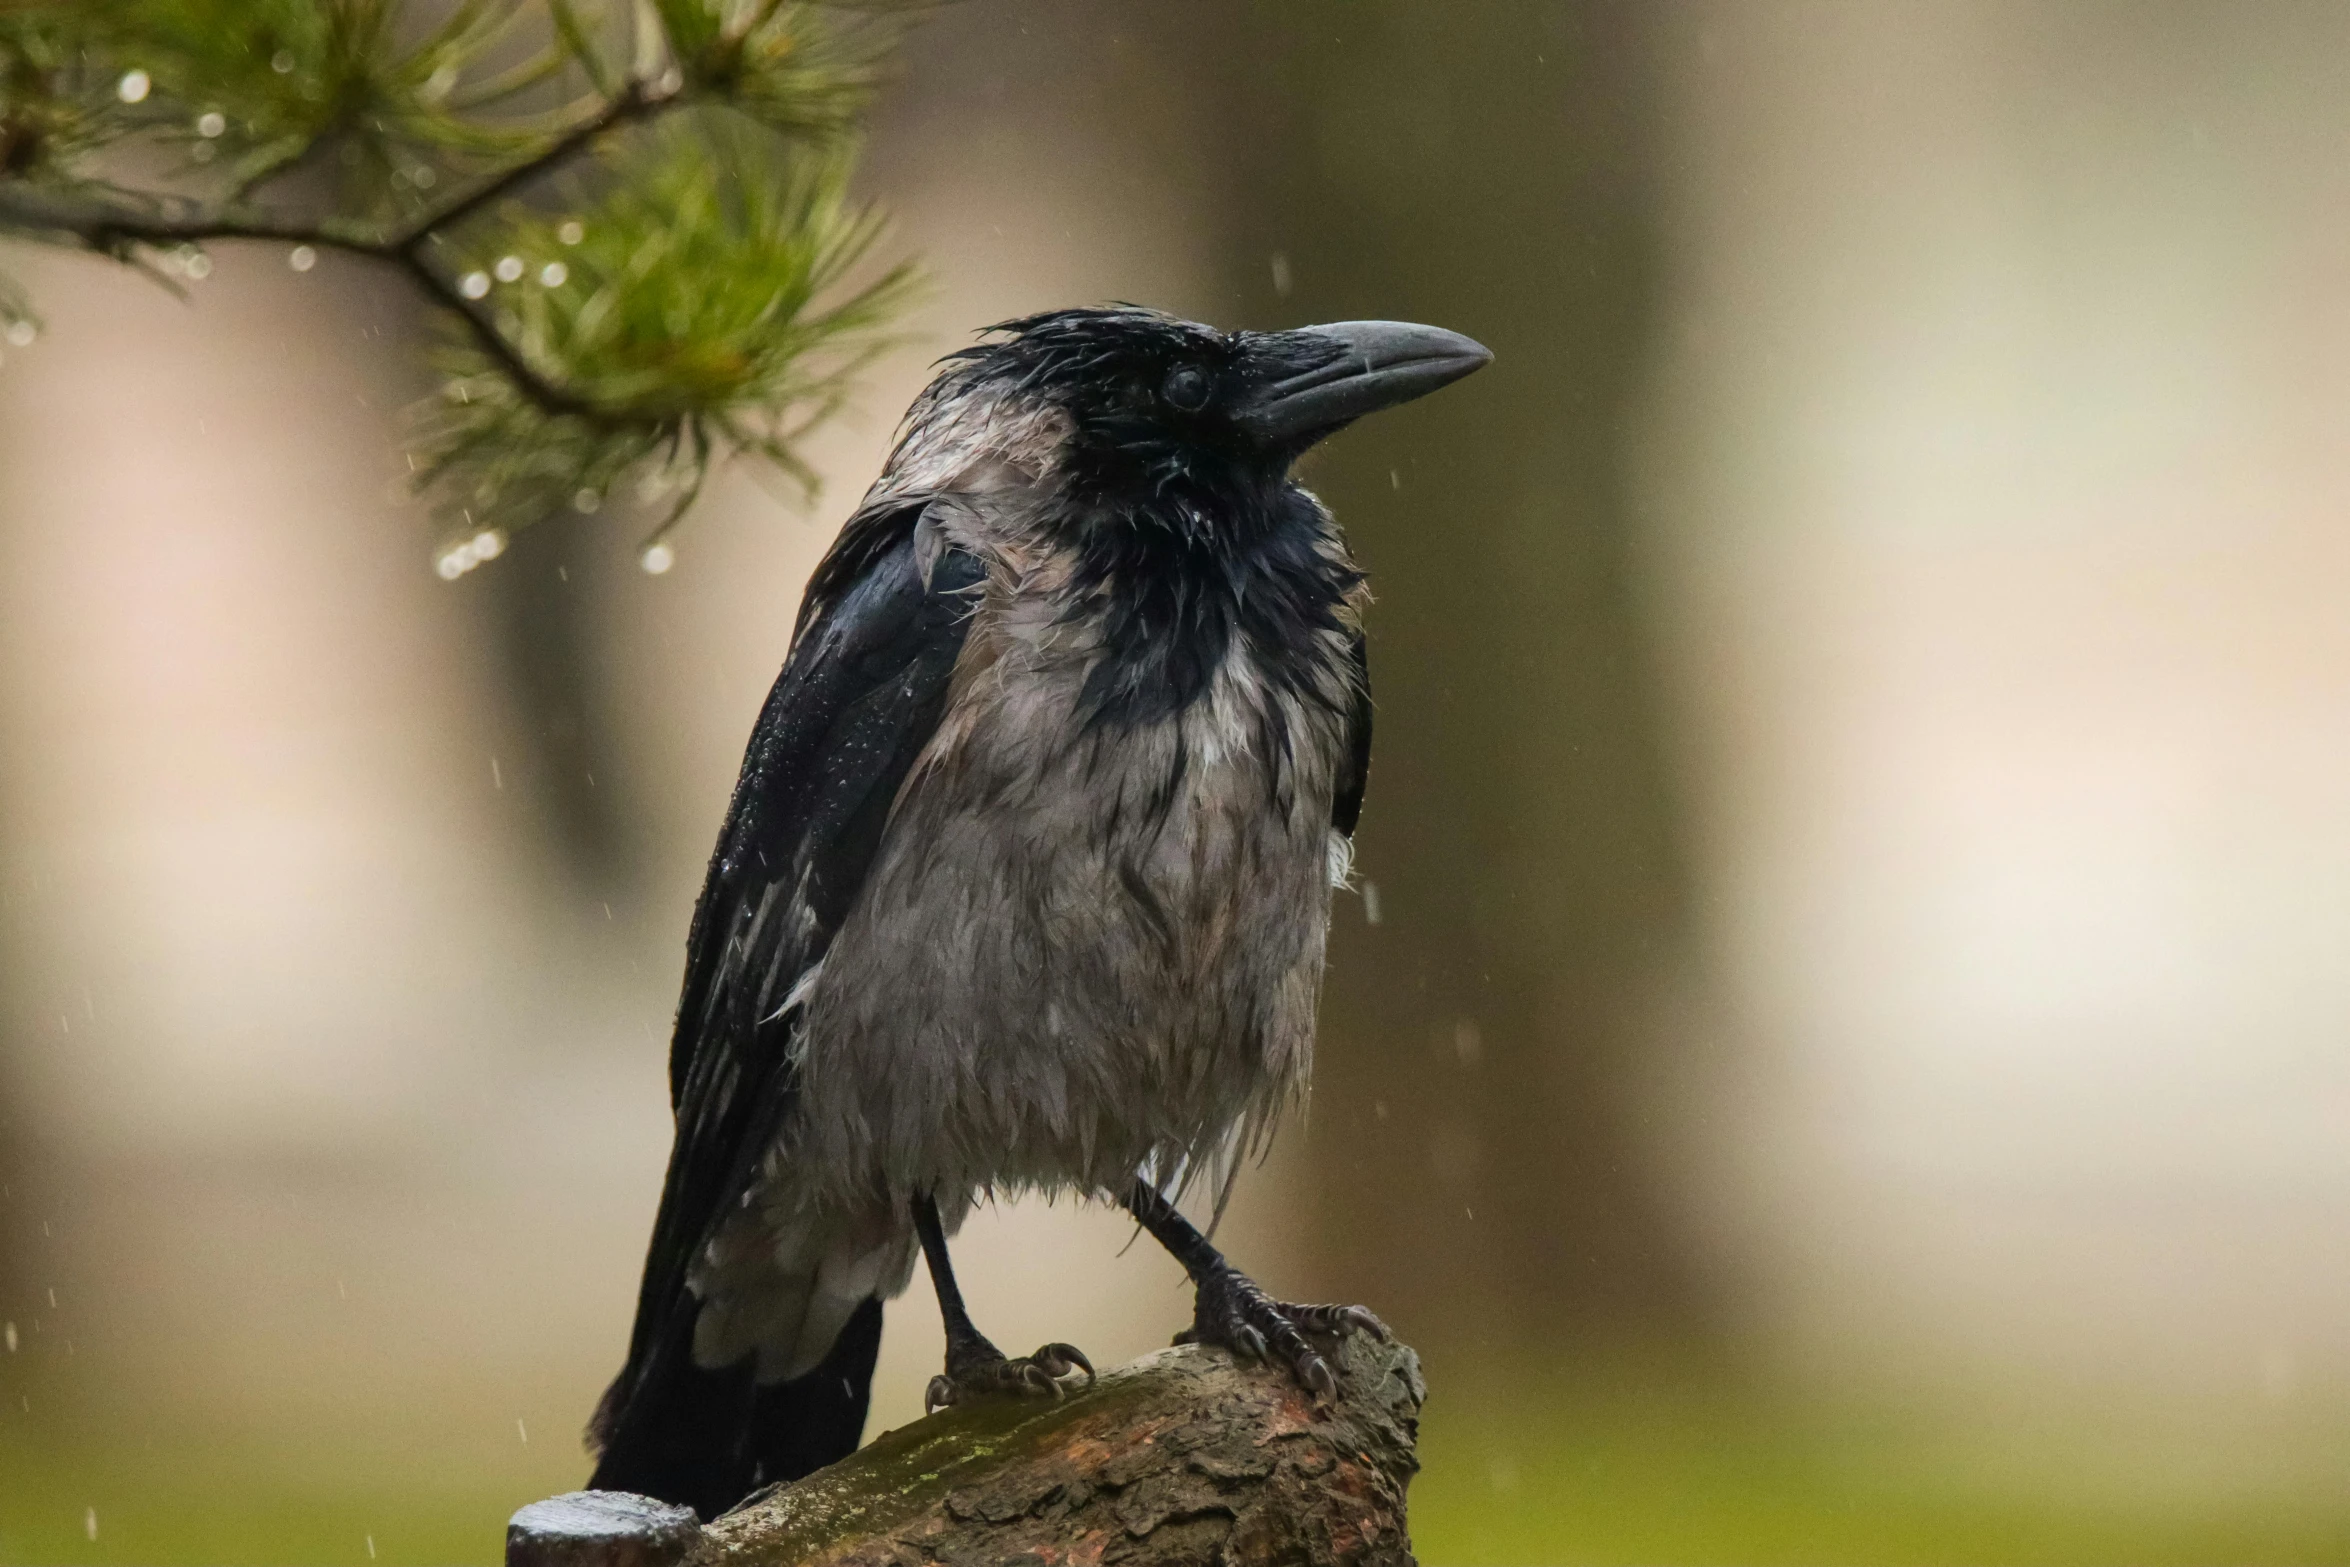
(1025, 882)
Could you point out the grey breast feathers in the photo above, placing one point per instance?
(1082, 950)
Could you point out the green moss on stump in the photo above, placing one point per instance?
(1181, 1456)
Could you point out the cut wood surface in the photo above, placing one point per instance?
(1182, 1457)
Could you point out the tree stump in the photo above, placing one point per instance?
(1182, 1457)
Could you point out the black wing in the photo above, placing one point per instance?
(858, 698)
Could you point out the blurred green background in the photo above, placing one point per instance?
(1847, 1059)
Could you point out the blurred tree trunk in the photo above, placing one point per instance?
(1475, 1139)
(560, 725)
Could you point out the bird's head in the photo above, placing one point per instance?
(1156, 415)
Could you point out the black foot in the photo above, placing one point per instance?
(1232, 1311)
(985, 1372)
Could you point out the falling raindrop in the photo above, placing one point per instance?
(21, 334)
(133, 87)
(553, 274)
(1394, 479)
(282, 62)
(1453, 1154)
(1370, 903)
(522, 1430)
(9, 1336)
(474, 284)
(587, 501)
(497, 775)
(572, 231)
(509, 268)
(302, 259)
(657, 559)
(371, 1547)
(90, 1522)
(211, 123)
(1281, 277)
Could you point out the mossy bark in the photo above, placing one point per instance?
(1181, 1457)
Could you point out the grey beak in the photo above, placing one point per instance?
(1317, 378)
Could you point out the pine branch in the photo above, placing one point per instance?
(550, 393)
(112, 226)
(635, 101)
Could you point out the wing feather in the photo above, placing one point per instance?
(859, 696)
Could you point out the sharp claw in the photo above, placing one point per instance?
(1061, 1359)
(1359, 1317)
(1248, 1343)
(938, 1395)
(1314, 1372)
(1033, 1378)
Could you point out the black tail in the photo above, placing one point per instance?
(707, 1439)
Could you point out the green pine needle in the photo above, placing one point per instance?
(633, 215)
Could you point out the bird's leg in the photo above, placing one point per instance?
(974, 1365)
(1231, 1309)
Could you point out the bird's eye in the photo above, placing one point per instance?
(1186, 388)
